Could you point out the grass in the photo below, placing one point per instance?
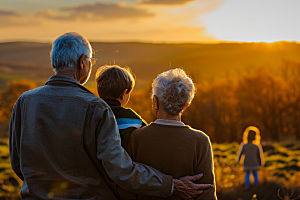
(266, 190)
(10, 184)
(278, 179)
(281, 172)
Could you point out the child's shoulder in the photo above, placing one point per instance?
(122, 112)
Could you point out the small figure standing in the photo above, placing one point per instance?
(252, 151)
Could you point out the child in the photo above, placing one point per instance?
(114, 85)
(251, 149)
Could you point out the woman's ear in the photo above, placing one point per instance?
(155, 106)
(156, 103)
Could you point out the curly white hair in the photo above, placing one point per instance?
(174, 89)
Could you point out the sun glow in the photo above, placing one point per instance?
(255, 21)
(199, 21)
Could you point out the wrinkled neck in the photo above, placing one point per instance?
(164, 115)
(69, 73)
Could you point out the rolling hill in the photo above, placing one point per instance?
(204, 62)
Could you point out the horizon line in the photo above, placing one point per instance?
(158, 42)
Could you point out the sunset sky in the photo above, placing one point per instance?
(201, 21)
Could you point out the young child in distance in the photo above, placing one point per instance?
(252, 151)
(114, 85)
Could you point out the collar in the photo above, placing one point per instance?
(112, 102)
(65, 80)
(169, 122)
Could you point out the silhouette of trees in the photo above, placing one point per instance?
(8, 98)
(224, 108)
(10, 94)
(140, 101)
(221, 108)
(290, 72)
(261, 98)
(213, 110)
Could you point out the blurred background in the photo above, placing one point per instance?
(243, 55)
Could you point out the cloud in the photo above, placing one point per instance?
(96, 12)
(167, 2)
(8, 13)
(10, 18)
(50, 14)
(118, 21)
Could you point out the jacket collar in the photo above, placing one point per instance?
(169, 122)
(65, 80)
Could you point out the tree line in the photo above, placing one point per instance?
(222, 108)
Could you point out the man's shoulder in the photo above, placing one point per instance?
(73, 93)
(126, 117)
(33, 91)
(30, 93)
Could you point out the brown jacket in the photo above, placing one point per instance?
(174, 150)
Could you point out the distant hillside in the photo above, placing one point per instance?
(19, 60)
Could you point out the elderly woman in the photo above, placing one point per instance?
(168, 144)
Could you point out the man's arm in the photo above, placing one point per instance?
(131, 176)
(14, 140)
(134, 177)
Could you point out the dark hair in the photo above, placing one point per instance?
(112, 80)
(251, 135)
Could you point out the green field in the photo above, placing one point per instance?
(281, 165)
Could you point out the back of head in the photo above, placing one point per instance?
(174, 89)
(67, 50)
(251, 135)
(112, 80)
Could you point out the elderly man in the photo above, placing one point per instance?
(64, 141)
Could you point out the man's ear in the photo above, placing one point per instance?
(81, 61)
(124, 93)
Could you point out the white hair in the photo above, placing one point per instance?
(174, 89)
(67, 49)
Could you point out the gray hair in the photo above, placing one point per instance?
(174, 89)
(67, 49)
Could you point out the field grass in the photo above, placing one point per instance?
(10, 184)
(281, 171)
